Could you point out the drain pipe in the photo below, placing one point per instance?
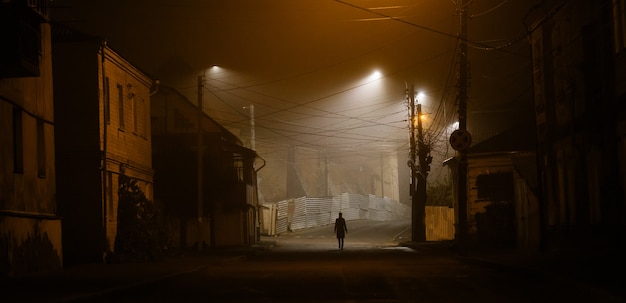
(257, 213)
(105, 126)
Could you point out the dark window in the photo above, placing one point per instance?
(20, 34)
(120, 99)
(18, 141)
(145, 118)
(495, 187)
(41, 148)
(134, 112)
(238, 165)
(619, 24)
(107, 100)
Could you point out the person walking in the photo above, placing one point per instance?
(340, 229)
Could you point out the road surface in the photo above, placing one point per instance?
(307, 266)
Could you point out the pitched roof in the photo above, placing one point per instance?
(521, 137)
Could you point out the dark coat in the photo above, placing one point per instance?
(340, 227)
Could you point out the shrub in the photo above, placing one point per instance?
(139, 234)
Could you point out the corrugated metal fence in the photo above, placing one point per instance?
(305, 212)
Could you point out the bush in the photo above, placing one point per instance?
(139, 234)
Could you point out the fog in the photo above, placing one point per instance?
(309, 67)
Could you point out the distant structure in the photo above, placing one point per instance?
(30, 228)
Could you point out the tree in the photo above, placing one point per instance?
(440, 195)
(139, 234)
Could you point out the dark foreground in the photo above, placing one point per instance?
(307, 267)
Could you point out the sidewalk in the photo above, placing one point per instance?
(85, 281)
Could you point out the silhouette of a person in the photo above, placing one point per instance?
(340, 229)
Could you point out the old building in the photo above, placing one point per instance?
(102, 113)
(215, 206)
(578, 64)
(30, 229)
(502, 202)
(502, 191)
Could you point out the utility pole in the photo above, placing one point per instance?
(424, 158)
(462, 227)
(252, 129)
(200, 164)
(412, 158)
(418, 227)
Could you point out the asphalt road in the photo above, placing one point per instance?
(307, 266)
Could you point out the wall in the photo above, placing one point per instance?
(293, 171)
(30, 238)
(491, 201)
(93, 147)
(578, 115)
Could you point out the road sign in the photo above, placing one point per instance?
(460, 140)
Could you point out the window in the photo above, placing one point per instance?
(18, 141)
(120, 101)
(619, 24)
(41, 148)
(134, 112)
(146, 118)
(238, 166)
(107, 101)
(495, 187)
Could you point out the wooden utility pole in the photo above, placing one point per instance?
(461, 236)
(252, 129)
(418, 181)
(423, 156)
(200, 165)
(412, 164)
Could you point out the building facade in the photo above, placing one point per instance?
(578, 61)
(503, 211)
(103, 130)
(30, 228)
(215, 206)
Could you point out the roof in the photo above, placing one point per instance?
(225, 134)
(520, 137)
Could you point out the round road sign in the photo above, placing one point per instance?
(460, 140)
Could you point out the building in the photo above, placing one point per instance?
(30, 228)
(102, 114)
(216, 206)
(579, 72)
(503, 211)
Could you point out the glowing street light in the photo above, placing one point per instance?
(374, 76)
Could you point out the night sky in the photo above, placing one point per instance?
(305, 64)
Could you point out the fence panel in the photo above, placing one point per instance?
(439, 223)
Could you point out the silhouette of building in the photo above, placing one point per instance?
(30, 229)
(228, 213)
(579, 71)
